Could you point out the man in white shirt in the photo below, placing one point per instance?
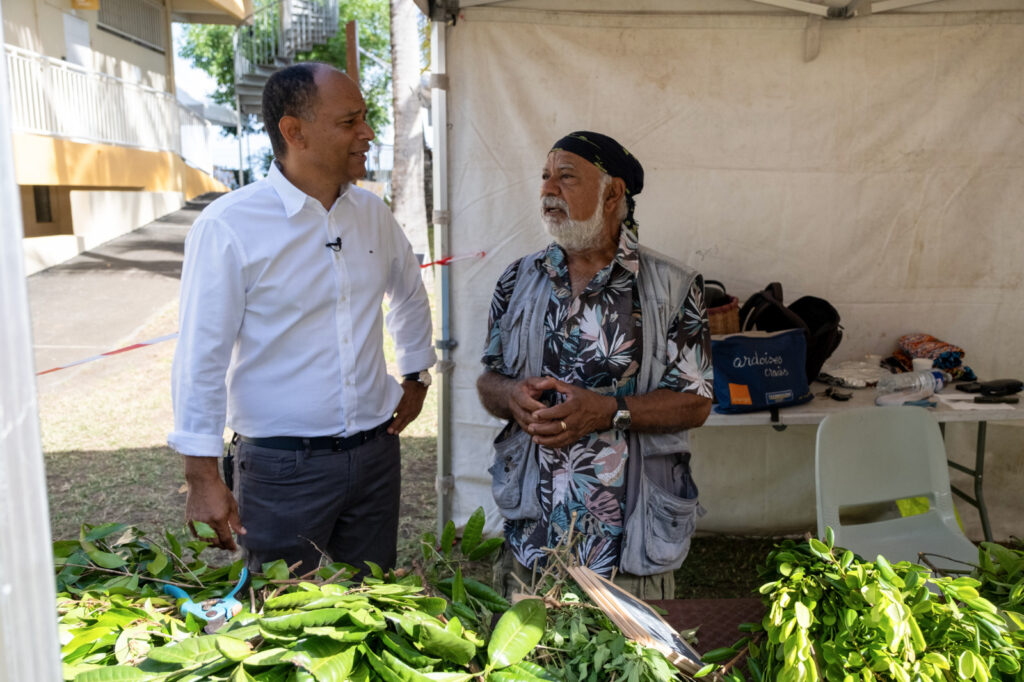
(281, 339)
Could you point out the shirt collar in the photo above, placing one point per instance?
(293, 198)
(626, 255)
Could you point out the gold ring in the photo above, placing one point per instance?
(565, 427)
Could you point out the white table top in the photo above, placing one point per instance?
(816, 410)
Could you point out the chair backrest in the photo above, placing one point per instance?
(875, 455)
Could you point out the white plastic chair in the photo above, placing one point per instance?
(876, 455)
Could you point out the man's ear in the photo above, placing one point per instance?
(291, 131)
(615, 192)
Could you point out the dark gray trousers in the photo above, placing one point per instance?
(297, 505)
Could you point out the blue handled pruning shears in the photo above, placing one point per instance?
(215, 611)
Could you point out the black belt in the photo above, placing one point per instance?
(334, 443)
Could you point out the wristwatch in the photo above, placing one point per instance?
(622, 419)
(422, 376)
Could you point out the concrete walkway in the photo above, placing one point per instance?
(94, 302)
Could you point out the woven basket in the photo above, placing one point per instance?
(725, 319)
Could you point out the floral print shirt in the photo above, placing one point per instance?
(595, 341)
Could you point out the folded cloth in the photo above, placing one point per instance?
(945, 356)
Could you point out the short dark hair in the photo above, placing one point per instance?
(291, 91)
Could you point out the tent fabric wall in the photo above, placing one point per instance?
(884, 175)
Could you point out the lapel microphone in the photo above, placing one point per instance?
(335, 245)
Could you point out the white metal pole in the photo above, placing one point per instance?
(442, 248)
(28, 622)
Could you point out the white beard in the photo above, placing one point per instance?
(571, 234)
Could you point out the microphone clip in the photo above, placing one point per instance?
(335, 245)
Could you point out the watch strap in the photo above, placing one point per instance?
(620, 403)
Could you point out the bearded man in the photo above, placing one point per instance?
(599, 356)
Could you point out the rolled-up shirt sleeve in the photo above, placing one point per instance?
(408, 317)
(212, 306)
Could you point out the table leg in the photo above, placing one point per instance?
(977, 473)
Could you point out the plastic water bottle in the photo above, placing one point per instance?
(896, 389)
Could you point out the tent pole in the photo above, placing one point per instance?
(29, 649)
(442, 247)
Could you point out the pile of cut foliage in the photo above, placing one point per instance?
(117, 624)
(831, 615)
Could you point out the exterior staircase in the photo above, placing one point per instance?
(279, 29)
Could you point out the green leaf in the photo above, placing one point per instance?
(105, 559)
(65, 548)
(703, 672)
(240, 675)
(819, 549)
(530, 670)
(104, 530)
(448, 538)
(118, 673)
(379, 666)
(303, 619)
(486, 548)
(398, 644)
(803, 615)
(269, 657)
(375, 570)
(172, 541)
(233, 649)
(518, 631)
(434, 606)
(194, 650)
(158, 563)
(472, 533)
(486, 595)
(439, 642)
(458, 586)
(276, 570)
(325, 658)
(830, 537)
(293, 600)
(965, 664)
(338, 634)
(204, 530)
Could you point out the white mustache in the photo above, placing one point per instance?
(554, 202)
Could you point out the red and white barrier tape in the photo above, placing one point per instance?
(449, 259)
(151, 342)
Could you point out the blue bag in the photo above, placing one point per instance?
(760, 370)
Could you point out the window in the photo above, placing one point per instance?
(44, 208)
(140, 21)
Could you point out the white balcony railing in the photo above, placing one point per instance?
(54, 98)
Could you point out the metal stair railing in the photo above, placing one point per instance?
(277, 31)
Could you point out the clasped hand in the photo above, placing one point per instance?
(579, 412)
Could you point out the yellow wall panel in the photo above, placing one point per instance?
(41, 160)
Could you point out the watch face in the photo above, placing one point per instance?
(622, 420)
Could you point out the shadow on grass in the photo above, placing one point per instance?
(144, 487)
(141, 487)
(722, 567)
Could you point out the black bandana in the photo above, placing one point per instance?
(610, 157)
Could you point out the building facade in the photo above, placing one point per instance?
(101, 144)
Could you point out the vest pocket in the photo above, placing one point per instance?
(658, 531)
(515, 474)
(672, 521)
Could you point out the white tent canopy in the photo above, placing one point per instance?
(876, 161)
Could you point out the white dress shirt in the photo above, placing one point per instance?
(282, 335)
